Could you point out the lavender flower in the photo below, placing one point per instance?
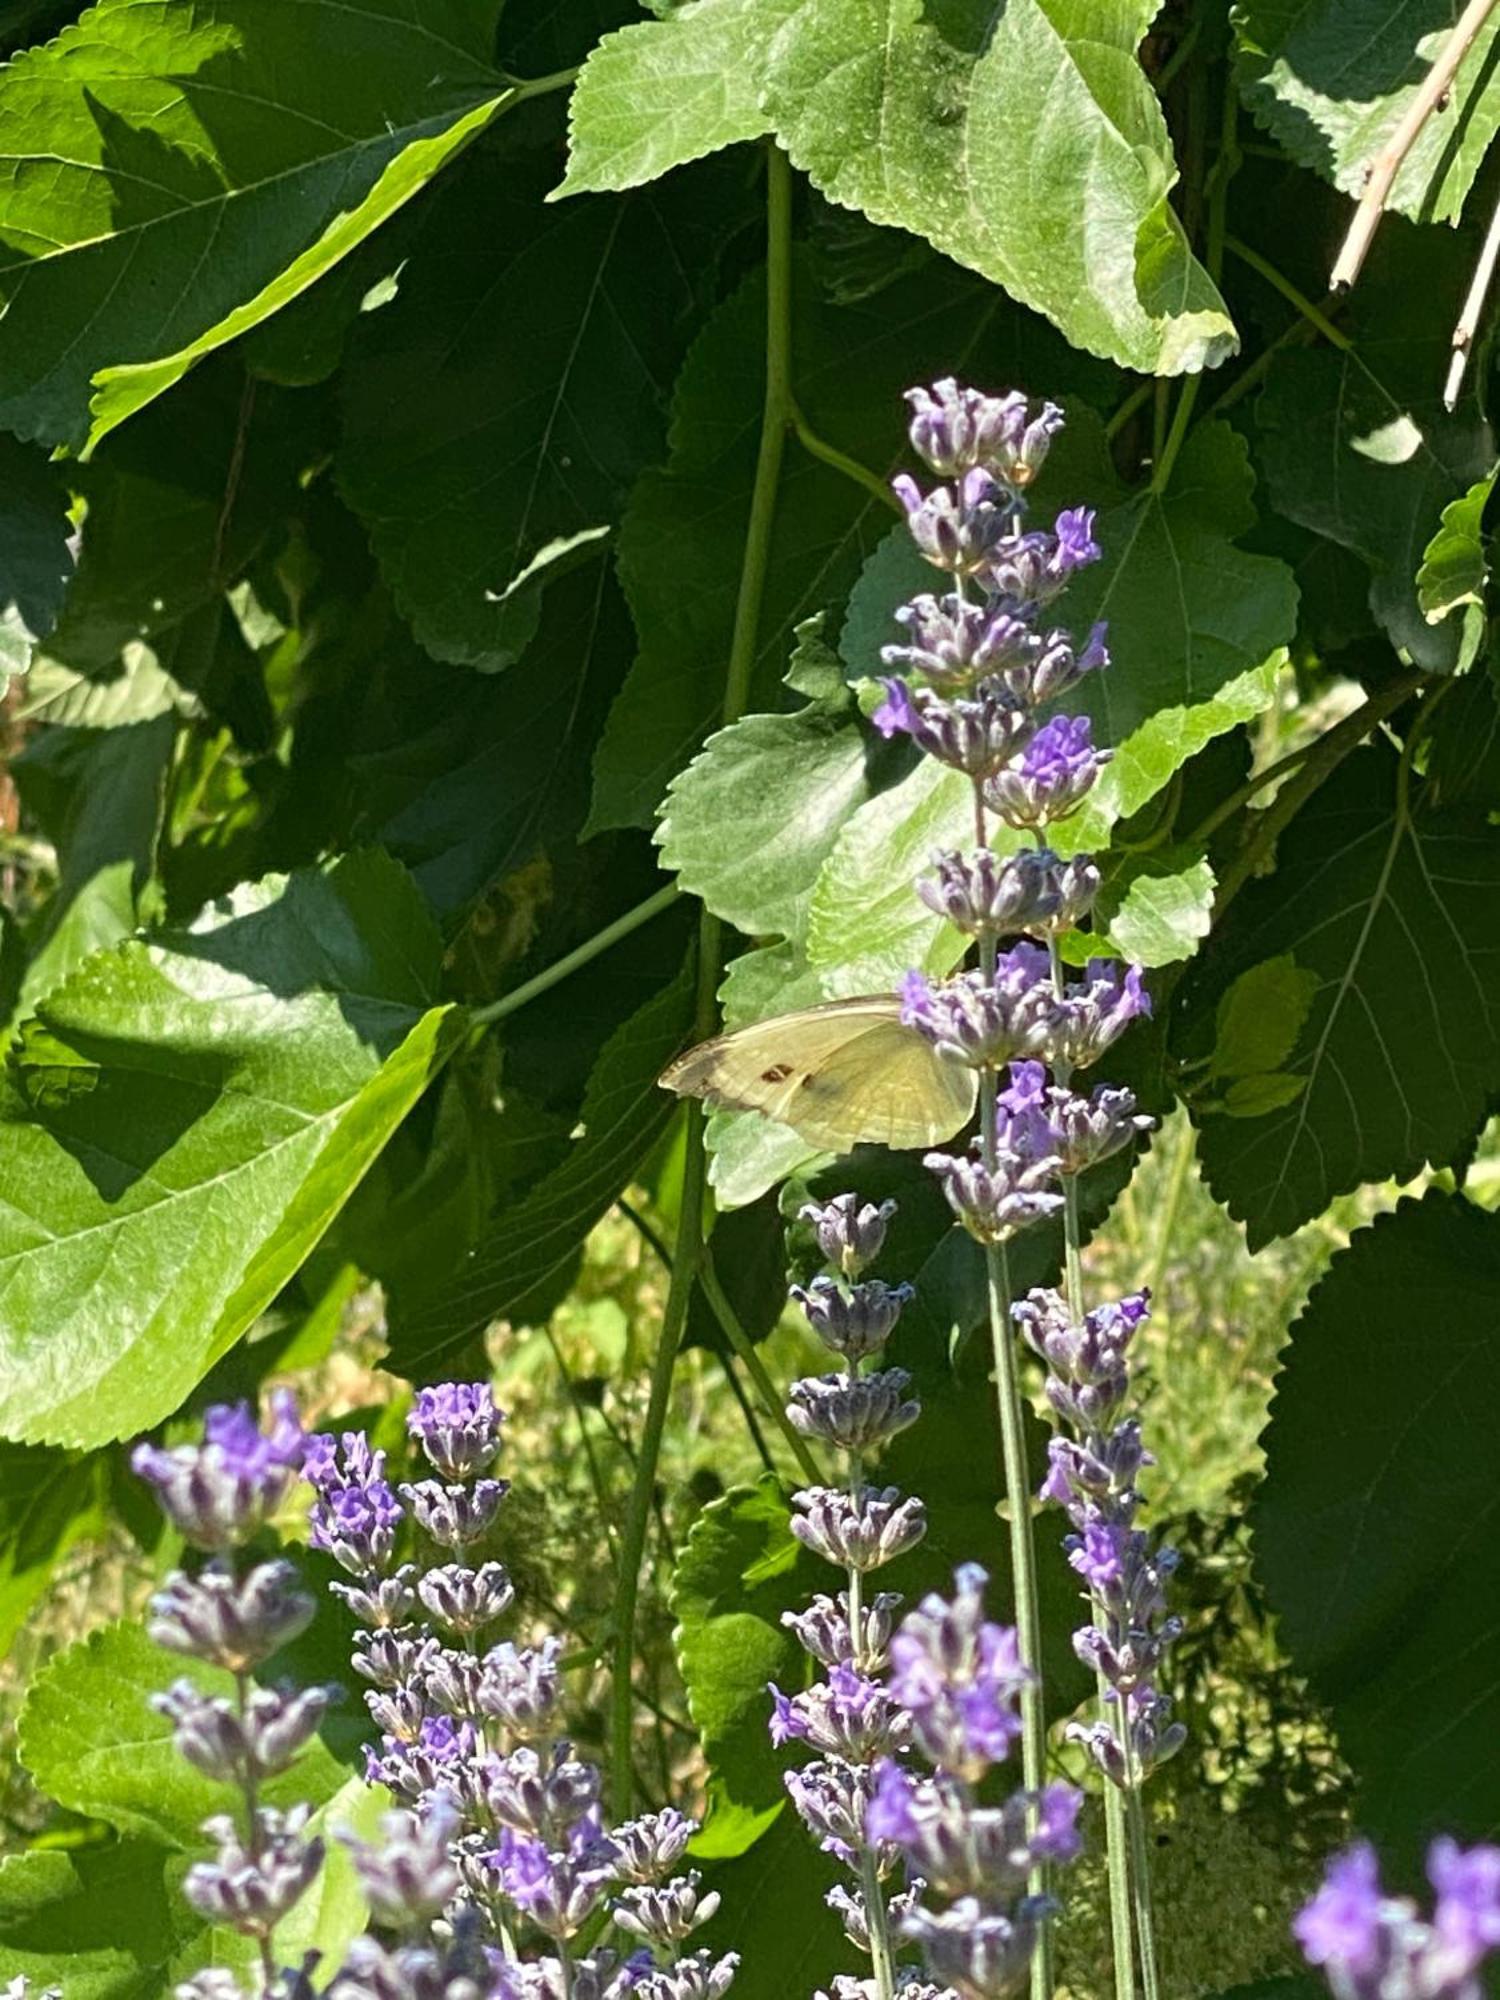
(854, 1320)
(960, 1677)
(985, 895)
(985, 1022)
(957, 528)
(857, 1413)
(408, 1876)
(955, 429)
(355, 1514)
(250, 1886)
(850, 1233)
(976, 733)
(219, 1493)
(863, 1531)
(1052, 777)
(231, 1622)
(458, 1428)
(1371, 1946)
(956, 641)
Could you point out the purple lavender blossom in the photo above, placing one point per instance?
(850, 1233)
(1053, 775)
(955, 527)
(219, 1493)
(457, 1426)
(1095, 1011)
(975, 733)
(1035, 567)
(984, 1022)
(956, 641)
(954, 428)
(847, 1715)
(960, 1677)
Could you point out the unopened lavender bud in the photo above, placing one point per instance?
(451, 1679)
(700, 1976)
(845, 1716)
(407, 1876)
(389, 1658)
(955, 527)
(995, 1203)
(219, 1493)
(251, 1891)
(960, 1677)
(665, 1916)
(547, 1799)
(986, 1021)
(850, 1233)
(454, 1516)
(233, 1622)
(380, 1601)
(985, 894)
(854, 1320)
(857, 1413)
(649, 1848)
(830, 1798)
(954, 428)
(357, 1526)
(558, 1890)
(1096, 1010)
(1032, 569)
(398, 1711)
(465, 1600)
(458, 1428)
(1052, 777)
(823, 1630)
(975, 733)
(955, 641)
(521, 1688)
(1086, 1130)
(444, 1751)
(863, 1533)
(978, 1951)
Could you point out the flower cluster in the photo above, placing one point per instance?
(498, 1837)
(1374, 1946)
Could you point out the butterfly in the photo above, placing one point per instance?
(838, 1074)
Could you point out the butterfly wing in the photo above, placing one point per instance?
(838, 1074)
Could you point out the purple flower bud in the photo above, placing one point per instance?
(857, 1413)
(1049, 665)
(700, 1976)
(559, 1889)
(1053, 775)
(215, 1738)
(1031, 569)
(389, 1657)
(974, 733)
(863, 1533)
(830, 1798)
(995, 1203)
(955, 527)
(1154, 1737)
(1086, 1130)
(1095, 1011)
(548, 1800)
(233, 1622)
(521, 1688)
(380, 1601)
(455, 1516)
(960, 1678)
(1466, 1920)
(823, 1630)
(219, 1493)
(956, 641)
(251, 1891)
(844, 1716)
(457, 1426)
(398, 1711)
(649, 1848)
(465, 1600)
(407, 1876)
(985, 894)
(357, 1526)
(854, 1320)
(850, 1233)
(1055, 1836)
(979, 1952)
(955, 428)
(1343, 1927)
(432, 1764)
(666, 1914)
(981, 1022)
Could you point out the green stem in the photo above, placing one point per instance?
(688, 1252)
(1181, 417)
(820, 448)
(1314, 315)
(755, 1368)
(552, 975)
(880, 1929)
(1140, 1858)
(1139, 395)
(251, 1789)
(543, 86)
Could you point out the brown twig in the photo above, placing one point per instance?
(1468, 320)
(1389, 160)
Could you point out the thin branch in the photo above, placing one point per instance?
(1314, 315)
(1389, 160)
(819, 448)
(1468, 320)
(510, 1003)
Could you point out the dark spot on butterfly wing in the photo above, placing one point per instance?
(777, 1073)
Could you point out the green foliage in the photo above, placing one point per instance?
(1371, 1529)
(1454, 565)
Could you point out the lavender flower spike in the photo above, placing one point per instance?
(219, 1493)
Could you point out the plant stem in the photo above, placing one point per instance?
(251, 1789)
(688, 1251)
(1392, 155)
(554, 974)
(543, 86)
(1279, 282)
(877, 1920)
(1140, 1858)
(1140, 394)
(1181, 417)
(755, 1368)
(1468, 319)
(820, 448)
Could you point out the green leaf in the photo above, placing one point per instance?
(1161, 909)
(1373, 1527)
(740, 1569)
(485, 447)
(920, 122)
(1374, 902)
(1260, 1017)
(48, 1500)
(1254, 1096)
(660, 93)
(1454, 566)
(682, 542)
(527, 1244)
(1332, 80)
(176, 172)
(774, 1914)
(91, 1740)
(1463, 753)
(1196, 631)
(181, 1122)
(1355, 441)
(35, 561)
(747, 825)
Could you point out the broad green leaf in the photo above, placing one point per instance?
(1454, 566)
(178, 171)
(1356, 443)
(682, 542)
(111, 1923)
(1196, 632)
(921, 121)
(1269, 1090)
(527, 1244)
(486, 444)
(1332, 80)
(1398, 1048)
(35, 560)
(1373, 1527)
(48, 1500)
(1463, 753)
(747, 825)
(181, 1122)
(91, 1740)
(773, 1913)
(740, 1569)
(1162, 910)
(1260, 1018)
(660, 93)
